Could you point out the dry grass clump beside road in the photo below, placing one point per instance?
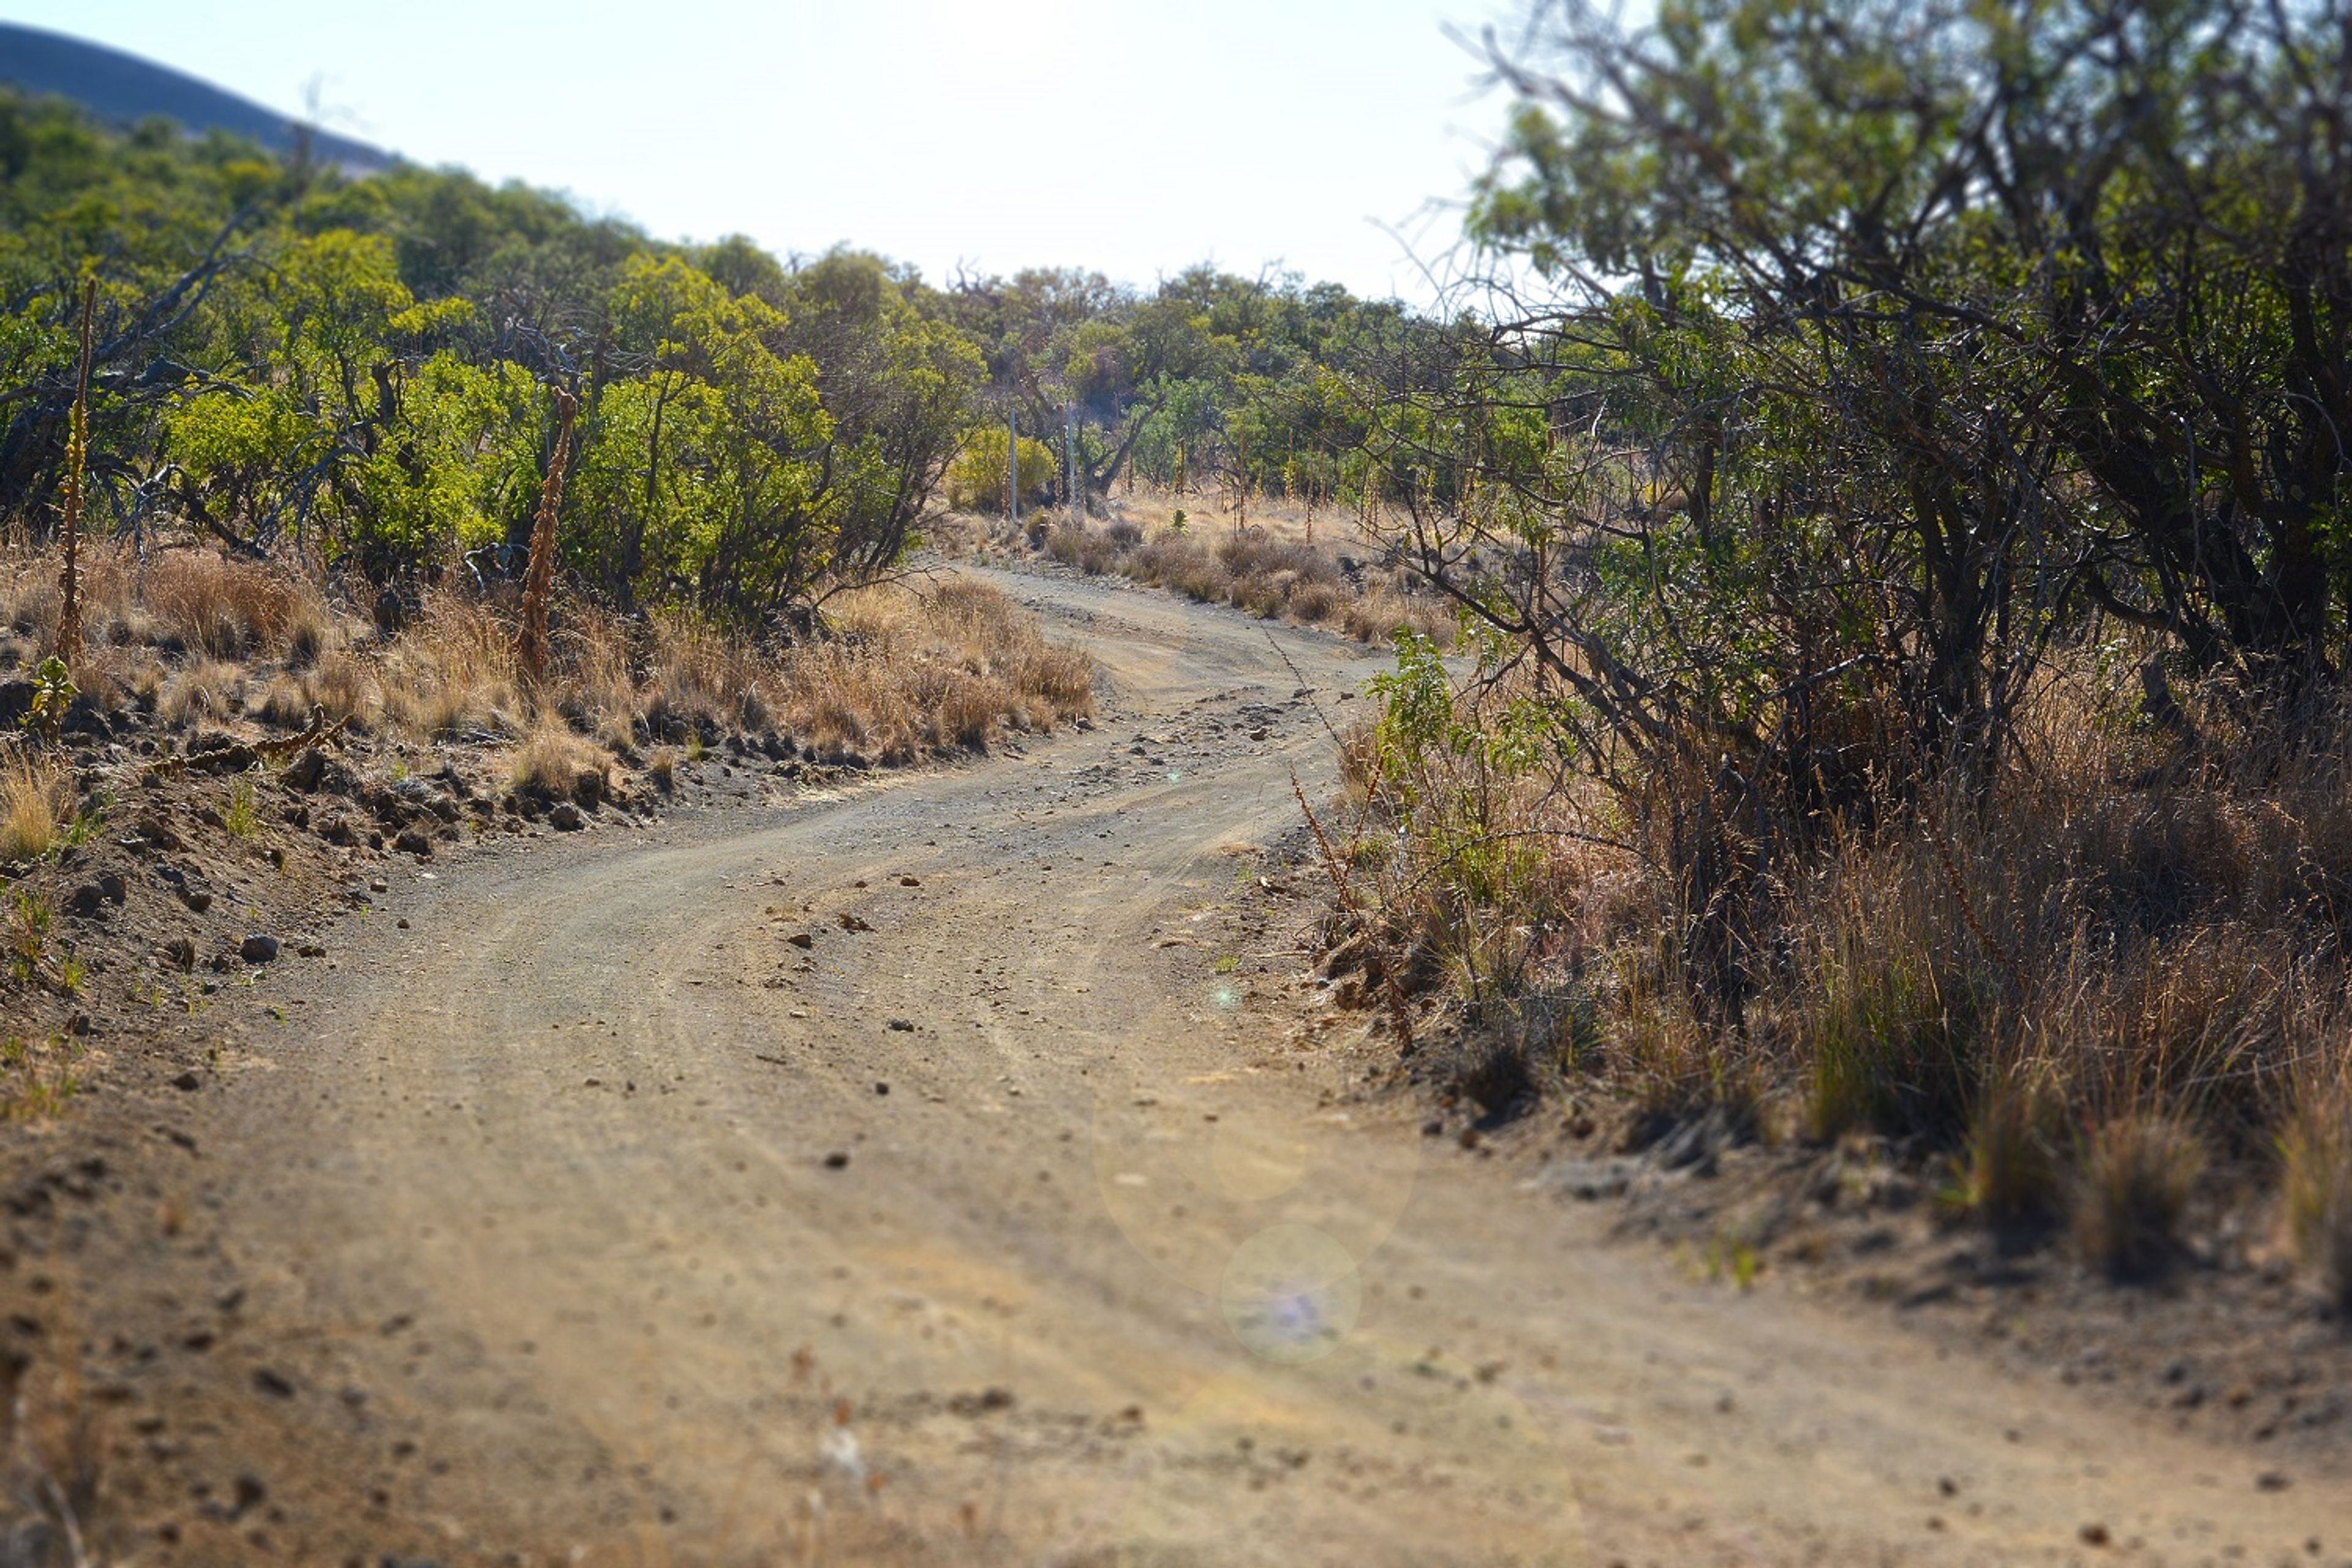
(247, 746)
(2104, 996)
(189, 638)
(2316, 1158)
(1273, 571)
(32, 800)
(935, 667)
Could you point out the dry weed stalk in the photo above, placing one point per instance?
(531, 648)
(68, 644)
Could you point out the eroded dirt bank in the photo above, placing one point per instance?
(935, 1172)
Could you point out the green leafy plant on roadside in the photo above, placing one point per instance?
(53, 692)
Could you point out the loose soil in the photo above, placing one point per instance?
(961, 1167)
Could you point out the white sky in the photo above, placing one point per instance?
(1131, 136)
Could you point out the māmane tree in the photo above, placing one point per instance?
(362, 371)
(1921, 333)
(1864, 356)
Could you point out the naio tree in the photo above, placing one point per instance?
(1871, 352)
(2070, 280)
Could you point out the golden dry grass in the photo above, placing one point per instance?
(206, 690)
(2100, 980)
(2139, 1172)
(901, 671)
(341, 684)
(551, 760)
(2317, 1182)
(938, 668)
(33, 793)
(229, 609)
(451, 671)
(1274, 567)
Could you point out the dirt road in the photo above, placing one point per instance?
(592, 1218)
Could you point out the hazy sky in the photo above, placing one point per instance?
(1132, 136)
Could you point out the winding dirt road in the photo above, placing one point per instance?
(1014, 1218)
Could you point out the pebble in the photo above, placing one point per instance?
(257, 948)
(836, 1161)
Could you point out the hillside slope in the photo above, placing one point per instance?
(122, 87)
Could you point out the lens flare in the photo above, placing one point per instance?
(1291, 1294)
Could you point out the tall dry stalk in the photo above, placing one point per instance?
(69, 648)
(531, 647)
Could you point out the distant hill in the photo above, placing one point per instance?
(120, 87)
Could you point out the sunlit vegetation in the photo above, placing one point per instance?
(1904, 527)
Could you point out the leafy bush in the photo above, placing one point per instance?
(976, 479)
(363, 369)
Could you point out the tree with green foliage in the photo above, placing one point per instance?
(1871, 351)
(361, 369)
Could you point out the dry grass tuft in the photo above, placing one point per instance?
(2009, 1170)
(32, 801)
(206, 692)
(596, 686)
(1267, 572)
(2139, 1171)
(2316, 1157)
(701, 676)
(230, 609)
(452, 671)
(340, 684)
(1891, 1017)
(2121, 917)
(551, 760)
(941, 670)
(284, 703)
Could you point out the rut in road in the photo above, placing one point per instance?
(1000, 1222)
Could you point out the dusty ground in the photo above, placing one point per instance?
(1027, 1207)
